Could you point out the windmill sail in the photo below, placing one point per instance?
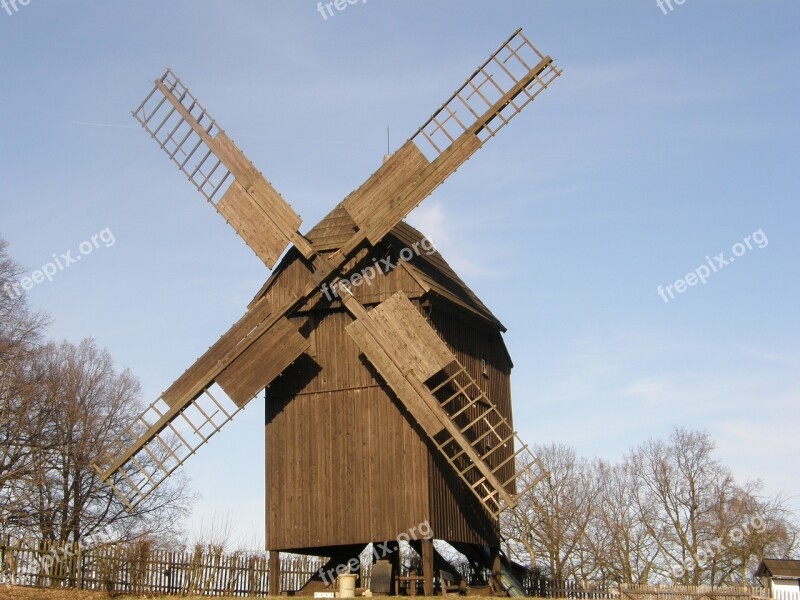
(219, 170)
(511, 78)
(159, 441)
(242, 363)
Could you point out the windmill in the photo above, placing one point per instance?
(388, 404)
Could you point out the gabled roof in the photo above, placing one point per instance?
(437, 276)
(780, 568)
(431, 271)
(333, 231)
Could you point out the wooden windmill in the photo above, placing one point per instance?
(388, 403)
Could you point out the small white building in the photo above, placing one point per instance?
(781, 577)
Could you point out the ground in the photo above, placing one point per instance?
(26, 593)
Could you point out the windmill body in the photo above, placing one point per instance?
(387, 381)
(346, 463)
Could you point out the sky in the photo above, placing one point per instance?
(665, 155)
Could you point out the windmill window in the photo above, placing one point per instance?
(484, 372)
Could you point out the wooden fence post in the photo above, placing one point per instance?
(79, 566)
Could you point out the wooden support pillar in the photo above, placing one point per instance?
(274, 573)
(394, 558)
(495, 568)
(427, 567)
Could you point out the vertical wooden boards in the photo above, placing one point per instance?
(381, 342)
(262, 362)
(347, 481)
(362, 476)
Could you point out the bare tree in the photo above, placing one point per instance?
(65, 497)
(618, 538)
(669, 511)
(22, 420)
(679, 484)
(748, 527)
(61, 406)
(709, 529)
(551, 519)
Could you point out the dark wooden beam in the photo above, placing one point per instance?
(427, 566)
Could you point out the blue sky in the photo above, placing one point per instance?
(669, 138)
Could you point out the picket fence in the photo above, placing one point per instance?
(690, 592)
(544, 587)
(138, 569)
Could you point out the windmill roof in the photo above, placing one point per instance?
(431, 270)
(780, 568)
(332, 232)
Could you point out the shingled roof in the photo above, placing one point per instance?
(431, 270)
(779, 568)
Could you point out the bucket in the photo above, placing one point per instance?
(347, 586)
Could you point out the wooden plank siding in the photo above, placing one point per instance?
(346, 464)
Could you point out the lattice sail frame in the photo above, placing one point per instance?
(219, 170)
(511, 78)
(184, 146)
(517, 67)
(492, 437)
(166, 450)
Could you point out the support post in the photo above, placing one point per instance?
(394, 558)
(274, 573)
(427, 567)
(496, 567)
